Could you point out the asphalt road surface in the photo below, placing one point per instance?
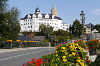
(18, 58)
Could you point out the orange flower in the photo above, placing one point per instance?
(8, 40)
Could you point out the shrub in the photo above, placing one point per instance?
(72, 54)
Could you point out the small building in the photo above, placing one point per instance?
(95, 31)
(88, 28)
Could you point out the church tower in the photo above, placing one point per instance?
(54, 10)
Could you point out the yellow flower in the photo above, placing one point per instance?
(82, 60)
(68, 62)
(78, 60)
(82, 64)
(25, 41)
(70, 54)
(75, 47)
(56, 51)
(65, 60)
(18, 40)
(73, 53)
(75, 50)
(63, 48)
(64, 57)
(66, 53)
(66, 45)
(77, 64)
(30, 41)
(58, 59)
(84, 41)
(56, 54)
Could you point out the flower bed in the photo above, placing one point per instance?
(67, 55)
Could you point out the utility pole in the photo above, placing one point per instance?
(83, 21)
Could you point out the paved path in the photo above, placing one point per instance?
(22, 55)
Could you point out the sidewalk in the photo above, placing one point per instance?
(18, 49)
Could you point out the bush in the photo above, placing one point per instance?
(72, 54)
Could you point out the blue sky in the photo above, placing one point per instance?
(68, 10)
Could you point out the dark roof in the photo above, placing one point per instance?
(43, 16)
(37, 10)
(90, 25)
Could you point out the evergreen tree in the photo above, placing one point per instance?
(77, 28)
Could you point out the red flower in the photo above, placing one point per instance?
(28, 63)
(81, 57)
(39, 61)
(89, 49)
(32, 62)
(24, 64)
(33, 59)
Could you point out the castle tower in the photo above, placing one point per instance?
(37, 11)
(54, 10)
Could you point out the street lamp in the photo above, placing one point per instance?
(83, 21)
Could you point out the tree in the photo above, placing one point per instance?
(97, 27)
(45, 30)
(61, 35)
(9, 18)
(76, 28)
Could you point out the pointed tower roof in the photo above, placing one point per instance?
(54, 6)
(37, 10)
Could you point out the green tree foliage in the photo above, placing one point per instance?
(76, 28)
(9, 18)
(45, 30)
(97, 27)
(61, 35)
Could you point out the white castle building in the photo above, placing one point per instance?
(31, 22)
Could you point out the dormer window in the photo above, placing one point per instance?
(52, 16)
(46, 16)
(28, 17)
(34, 16)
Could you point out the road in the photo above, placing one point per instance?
(18, 58)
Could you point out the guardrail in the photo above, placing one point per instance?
(14, 44)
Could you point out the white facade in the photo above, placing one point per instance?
(94, 31)
(87, 30)
(31, 22)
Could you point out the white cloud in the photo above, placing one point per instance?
(97, 12)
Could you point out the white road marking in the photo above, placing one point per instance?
(21, 55)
